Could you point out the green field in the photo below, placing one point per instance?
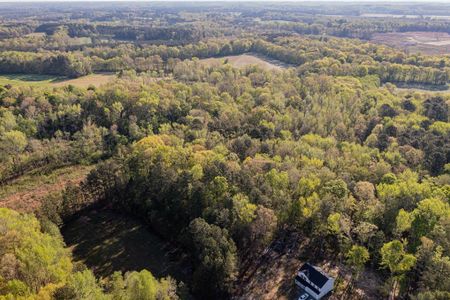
(27, 79)
(54, 81)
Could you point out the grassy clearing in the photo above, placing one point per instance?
(36, 34)
(25, 193)
(85, 81)
(107, 241)
(55, 81)
(243, 60)
(29, 79)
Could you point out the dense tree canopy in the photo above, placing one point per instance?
(228, 164)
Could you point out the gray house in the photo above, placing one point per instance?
(314, 281)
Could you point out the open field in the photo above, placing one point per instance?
(405, 16)
(414, 42)
(243, 60)
(56, 81)
(36, 34)
(85, 81)
(28, 80)
(25, 193)
(107, 241)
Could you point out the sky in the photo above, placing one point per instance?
(356, 1)
(312, 1)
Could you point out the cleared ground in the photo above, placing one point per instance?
(57, 81)
(243, 60)
(26, 193)
(414, 42)
(271, 275)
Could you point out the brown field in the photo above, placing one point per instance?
(36, 34)
(243, 60)
(26, 193)
(414, 42)
(85, 81)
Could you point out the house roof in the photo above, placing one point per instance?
(316, 276)
(306, 283)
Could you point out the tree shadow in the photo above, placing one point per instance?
(33, 77)
(107, 241)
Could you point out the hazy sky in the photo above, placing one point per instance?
(356, 1)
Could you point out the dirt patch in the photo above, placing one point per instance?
(26, 193)
(243, 60)
(433, 43)
(271, 275)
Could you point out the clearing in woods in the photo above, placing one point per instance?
(243, 60)
(425, 42)
(108, 241)
(55, 81)
(85, 81)
(25, 193)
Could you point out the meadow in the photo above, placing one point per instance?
(243, 60)
(37, 80)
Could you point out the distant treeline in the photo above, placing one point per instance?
(130, 33)
(65, 64)
(338, 57)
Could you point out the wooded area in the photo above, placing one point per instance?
(225, 162)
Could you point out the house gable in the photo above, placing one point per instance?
(314, 281)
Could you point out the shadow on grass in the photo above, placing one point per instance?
(34, 77)
(107, 241)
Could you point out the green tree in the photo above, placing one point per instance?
(144, 286)
(426, 216)
(81, 286)
(12, 144)
(357, 256)
(29, 258)
(215, 254)
(394, 257)
(89, 143)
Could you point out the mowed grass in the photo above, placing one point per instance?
(243, 60)
(55, 81)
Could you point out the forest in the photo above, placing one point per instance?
(340, 158)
